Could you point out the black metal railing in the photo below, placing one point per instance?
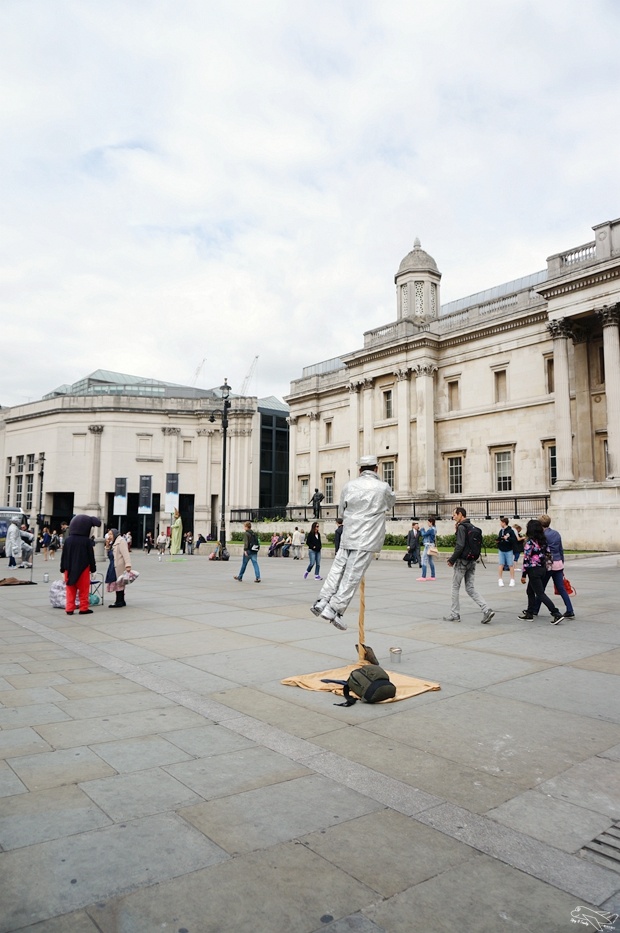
(481, 508)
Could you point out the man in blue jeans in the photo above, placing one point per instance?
(250, 552)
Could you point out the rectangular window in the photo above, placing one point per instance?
(29, 491)
(388, 404)
(550, 374)
(455, 475)
(30, 466)
(606, 457)
(388, 472)
(328, 432)
(328, 489)
(500, 385)
(503, 471)
(453, 395)
(553, 466)
(601, 365)
(304, 483)
(19, 487)
(8, 490)
(20, 464)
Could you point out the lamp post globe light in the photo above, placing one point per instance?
(223, 413)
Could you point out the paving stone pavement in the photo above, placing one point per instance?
(156, 775)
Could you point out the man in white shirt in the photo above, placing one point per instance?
(298, 540)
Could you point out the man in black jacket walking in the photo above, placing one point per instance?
(464, 569)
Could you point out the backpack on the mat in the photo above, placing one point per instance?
(370, 684)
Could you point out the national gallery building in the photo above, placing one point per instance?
(507, 401)
(63, 454)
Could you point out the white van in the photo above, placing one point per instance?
(6, 514)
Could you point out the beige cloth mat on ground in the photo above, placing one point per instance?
(405, 686)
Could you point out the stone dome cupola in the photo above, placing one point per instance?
(417, 286)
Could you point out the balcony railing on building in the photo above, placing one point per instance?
(481, 508)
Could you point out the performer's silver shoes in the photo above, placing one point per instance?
(334, 617)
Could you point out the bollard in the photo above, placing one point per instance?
(396, 655)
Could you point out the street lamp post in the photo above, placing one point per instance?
(223, 413)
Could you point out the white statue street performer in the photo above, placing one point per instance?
(363, 504)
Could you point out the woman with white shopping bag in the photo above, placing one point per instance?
(122, 566)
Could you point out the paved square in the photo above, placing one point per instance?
(155, 773)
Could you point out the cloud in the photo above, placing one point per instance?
(187, 180)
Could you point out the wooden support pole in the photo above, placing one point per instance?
(361, 640)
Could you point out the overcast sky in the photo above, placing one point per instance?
(220, 179)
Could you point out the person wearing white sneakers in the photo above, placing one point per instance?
(506, 546)
(363, 504)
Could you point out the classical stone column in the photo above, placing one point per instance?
(368, 440)
(202, 507)
(404, 432)
(561, 332)
(425, 391)
(95, 475)
(292, 460)
(171, 449)
(610, 318)
(354, 428)
(315, 476)
(583, 405)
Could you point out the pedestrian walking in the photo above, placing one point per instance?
(428, 538)
(463, 559)
(554, 540)
(298, 540)
(506, 544)
(251, 546)
(413, 545)
(315, 545)
(338, 535)
(536, 561)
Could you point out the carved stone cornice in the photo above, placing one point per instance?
(95, 428)
(560, 330)
(170, 431)
(609, 316)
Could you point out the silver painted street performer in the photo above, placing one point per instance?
(363, 504)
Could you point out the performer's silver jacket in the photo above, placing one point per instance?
(363, 504)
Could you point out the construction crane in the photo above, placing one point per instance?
(246, 381)
(198, 371)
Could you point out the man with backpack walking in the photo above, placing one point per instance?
(463, 559)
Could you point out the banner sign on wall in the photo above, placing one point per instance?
(120, 496)
(145, 500)
(172, 492)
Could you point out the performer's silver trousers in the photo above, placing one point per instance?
(344, 577)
